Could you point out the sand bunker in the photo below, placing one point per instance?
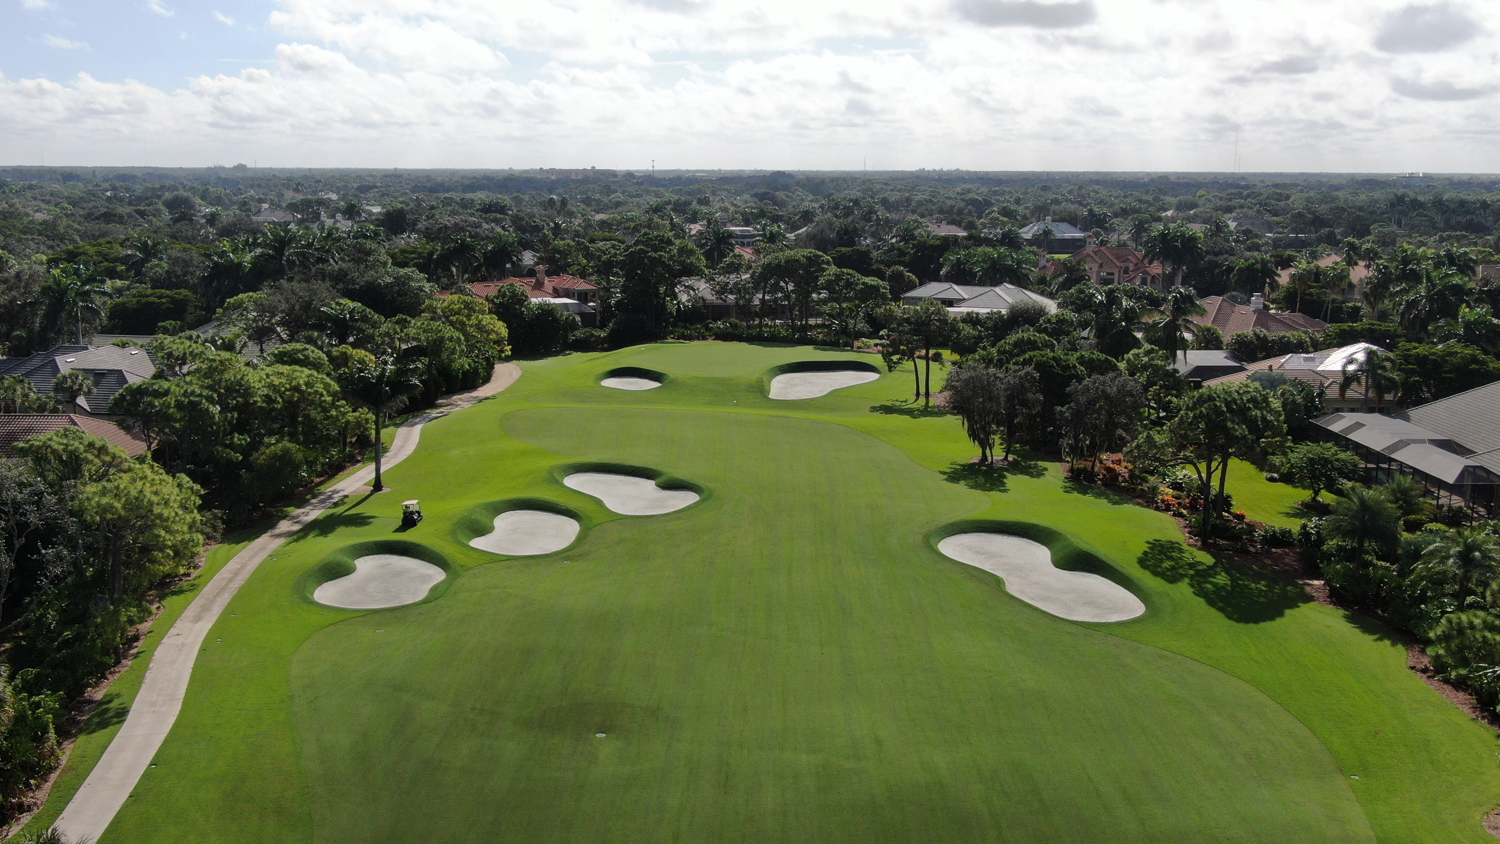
(524, 533)
(810, 385)
(629, 495)
(624, 382)
(1026, 567)
(380, 580)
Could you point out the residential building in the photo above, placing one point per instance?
(1118, 265)
(15, 427)
(111, 367)
(1055, 238)
(273, 216)
(946, 230)
(1231, 319)
(967, 298)
(1323, 370)
(1199, 365)
(1451, 445)
(568, 293)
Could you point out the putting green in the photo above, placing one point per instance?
(789, 659)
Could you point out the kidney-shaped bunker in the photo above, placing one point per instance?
(810, 385)
(525, 533)
(632, 378)
(629, 495)
(380, 580)
(1028, 572)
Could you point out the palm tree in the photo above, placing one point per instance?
(384, 387)
(72, 385)
(1306, 275)
(1375, 371)
(1175, 322)
(1177, 245)
(1462, 557)
(1364, 517)
(1407, 495)
(1256, 273)
(71, 297)
(716, 242)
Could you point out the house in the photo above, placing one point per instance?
(563, 291)
(1232, 319)
(1350, 292)
(1118, 265)
(111, 367)
(1451, 445)
(273, 216)
(967, 298)
(15, 427)
(1055, 238)
(1324, 371)
(946, 230)
(1259, 225)
(1199, 365)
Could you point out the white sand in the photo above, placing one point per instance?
(380, 580)
(1026, 567)
(524, 533)
(629, 495)
(629, 383)
(810, 385)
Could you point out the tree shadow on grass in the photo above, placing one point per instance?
(327, 524)
(110, 712)
(909, 409)
(1239, 592)
(1072, 487)
(991, 478)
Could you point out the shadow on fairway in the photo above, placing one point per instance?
(1240, 593)
(911, 410)
(990, 478)
(1072, 487)
(326, 525)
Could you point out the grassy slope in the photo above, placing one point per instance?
(853, 684)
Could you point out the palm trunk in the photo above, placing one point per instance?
(378, 485)
(916, 374)
(927, 393)
(1206, 534)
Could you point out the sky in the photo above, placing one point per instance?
(1174, 85)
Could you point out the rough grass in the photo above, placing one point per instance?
(789, 660)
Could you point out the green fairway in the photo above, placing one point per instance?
(788, 659)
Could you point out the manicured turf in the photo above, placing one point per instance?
(1262, 500)
(789, 659)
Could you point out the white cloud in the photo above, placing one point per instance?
(36, 5)
(223, 18)
(57, 43)
(157, 7)
(983, 84)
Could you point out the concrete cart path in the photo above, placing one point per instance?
(160, 698)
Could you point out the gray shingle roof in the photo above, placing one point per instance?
(1471, 418)
(976, 297)
(1427, 451)
(111, 367)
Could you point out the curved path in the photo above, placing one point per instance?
(160, 698)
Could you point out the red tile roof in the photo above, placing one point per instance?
(1232, 319)
(1128, 265)
(15, 427)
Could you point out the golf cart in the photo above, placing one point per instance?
(411, 513)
